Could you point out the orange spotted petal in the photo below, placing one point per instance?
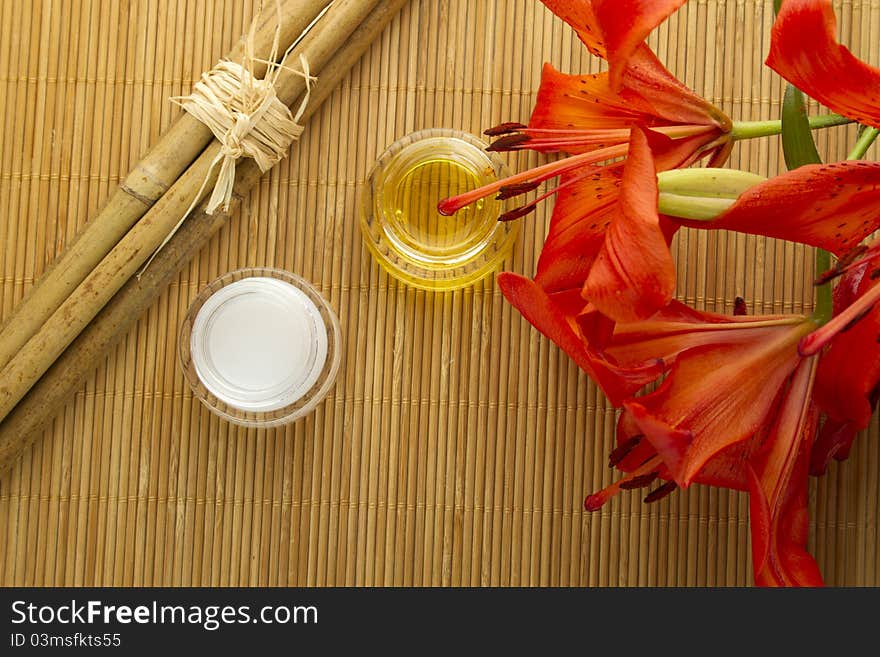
(804, 50)
(668, 97)
(586, 102)
(633, 275)
(580, 16)
(582, 212)
(625, 24)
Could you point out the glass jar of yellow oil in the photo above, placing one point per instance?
(399, 218)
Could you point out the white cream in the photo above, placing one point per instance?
(259, 344)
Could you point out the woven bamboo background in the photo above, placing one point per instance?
(457, 445)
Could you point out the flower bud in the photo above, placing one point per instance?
(701, 194)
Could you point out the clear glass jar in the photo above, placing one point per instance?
(260, 347)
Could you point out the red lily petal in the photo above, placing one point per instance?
(579, 15)
(633, 275)
(778, 495)
(554, 318)
(669, 98)
(727, 469)
(760, 522)
(804, 50)
(567, 104)
(795, 427)
(831, 206)
(799, 566)
(625, 24)
(670, 442)
(788, 563)
(672, 331)
(581, 215)
(647, 349)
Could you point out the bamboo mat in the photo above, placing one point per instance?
(457, 445)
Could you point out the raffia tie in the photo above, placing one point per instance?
(246, 117)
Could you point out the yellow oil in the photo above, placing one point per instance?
(405, 232)
(421, 232)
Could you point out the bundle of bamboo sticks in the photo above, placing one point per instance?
(90, 295)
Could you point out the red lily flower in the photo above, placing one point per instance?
(735, 411)
(771, 466)
(583, 116)
(804, 50)
(574, 112)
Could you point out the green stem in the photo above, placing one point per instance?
(824, 309)
(863, 143)
(754, 129)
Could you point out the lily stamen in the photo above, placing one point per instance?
(510, 191)
(552, 139)
(659, 493)
(633, 479)
(640, 482)
(504, 129)
(539, 174)
(623, 450)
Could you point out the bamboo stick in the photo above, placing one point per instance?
(143, 239)
(150, 178)
(47, 397)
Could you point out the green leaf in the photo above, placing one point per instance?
(797, 139)
(800, 149)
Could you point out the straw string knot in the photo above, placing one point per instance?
(247, 118)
